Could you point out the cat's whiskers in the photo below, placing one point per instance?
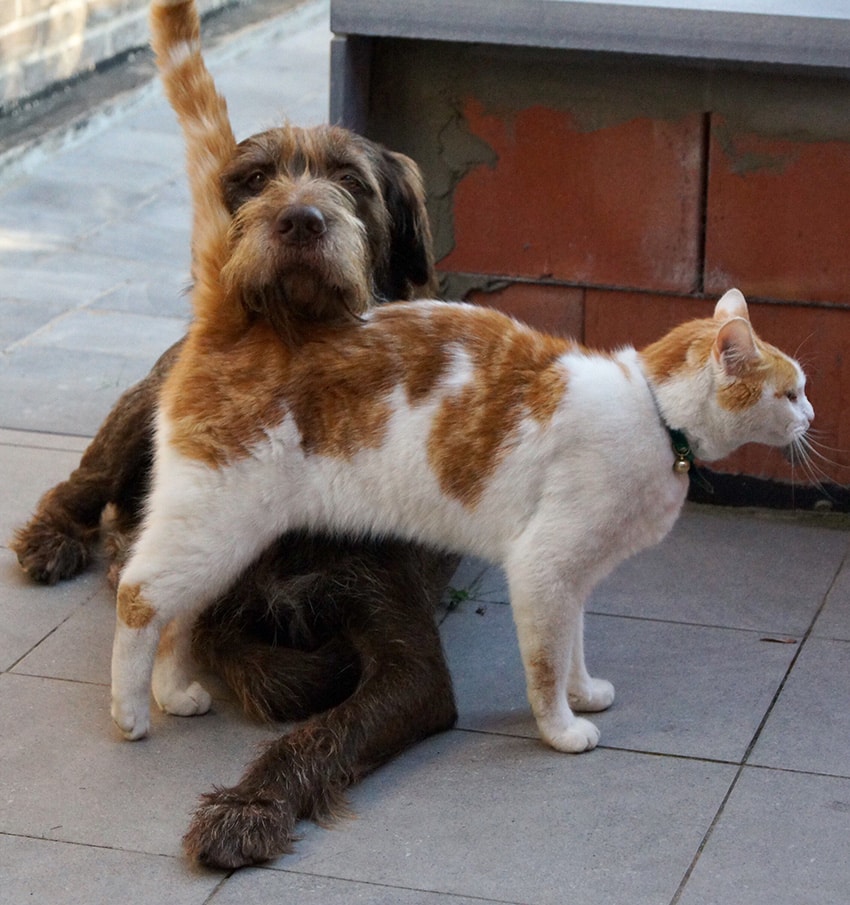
(804, 452)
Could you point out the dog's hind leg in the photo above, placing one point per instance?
(61, 538)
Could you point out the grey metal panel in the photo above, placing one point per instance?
(350, 69)
(758, 31)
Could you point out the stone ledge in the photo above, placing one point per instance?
(761, 32)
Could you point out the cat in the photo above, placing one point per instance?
(457, 427)
(444, 423)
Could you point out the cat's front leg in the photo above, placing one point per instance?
(146, 607)
(137, 632)
(172, 574)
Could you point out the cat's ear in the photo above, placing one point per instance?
(735, 347)
(732, 304)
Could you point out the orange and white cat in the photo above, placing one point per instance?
(447, 423)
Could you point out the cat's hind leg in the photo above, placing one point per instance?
(585, 693)
(547, 613)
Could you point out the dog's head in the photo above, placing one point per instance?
(324, 223)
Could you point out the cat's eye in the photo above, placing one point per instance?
(791, 395)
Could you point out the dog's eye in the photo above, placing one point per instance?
(791, 395)
(256, 181)
(351, 183)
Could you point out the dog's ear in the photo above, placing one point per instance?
(409, 271)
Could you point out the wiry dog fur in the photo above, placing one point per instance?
(335, 632)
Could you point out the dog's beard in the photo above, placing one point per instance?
(292, 287)
(301, 298)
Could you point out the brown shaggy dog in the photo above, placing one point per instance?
(335, 632)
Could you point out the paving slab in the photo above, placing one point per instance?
(63, 390)
(19, 318)
(834, 619)
(51, 207)
(689, 691)
(88, 628)
(30, 613)
(27, 473)
(448, 817)
(285, 886)
(50, 873)
(67, 775)
(728, 568)
(809, 727)
(781, 840)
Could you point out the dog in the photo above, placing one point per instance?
(336, 632)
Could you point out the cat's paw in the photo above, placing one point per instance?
(593, 697)
(191, 701)
(229, 830)
(579, 735)
(132, 718)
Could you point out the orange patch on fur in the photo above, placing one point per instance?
(686, 346)
(337, 387)
(515, 375)
(689, 346)
(133, 610)
(773, 368)
(542, 678)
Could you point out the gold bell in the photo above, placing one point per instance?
(681, 465)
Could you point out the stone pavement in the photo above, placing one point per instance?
(723, 775)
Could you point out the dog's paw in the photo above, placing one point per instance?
(132, 718)
(595, 696)
(578, 736)
(49, 555)
(230, 830)
(192, 701)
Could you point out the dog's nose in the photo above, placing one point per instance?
(300, 224)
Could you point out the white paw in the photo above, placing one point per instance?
(598, 695)
(133, 719)
(191, 701)
(580, 735)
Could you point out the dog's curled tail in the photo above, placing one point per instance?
(202, 114)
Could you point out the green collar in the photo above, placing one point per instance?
(685, 460)
(682, 449)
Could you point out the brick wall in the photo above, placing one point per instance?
(616, 234)
(45, 43)
(612, 199)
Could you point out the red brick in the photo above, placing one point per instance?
(617, 206)
(778, 216)
(613, 319)
(553, 309)
(818, 337)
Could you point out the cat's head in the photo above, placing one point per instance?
(718, 382)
